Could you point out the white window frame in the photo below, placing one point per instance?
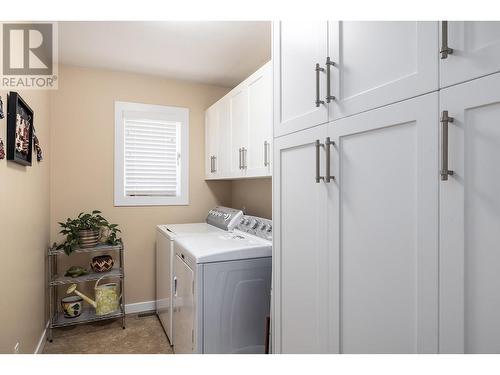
(177, 114)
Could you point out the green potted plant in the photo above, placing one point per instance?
(86, 231)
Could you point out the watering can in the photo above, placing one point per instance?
(106, 297)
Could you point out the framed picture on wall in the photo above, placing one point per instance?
(19, 130)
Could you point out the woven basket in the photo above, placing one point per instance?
(89, 238)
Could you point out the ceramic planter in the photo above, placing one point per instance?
(88, 238)
(102, 263)
(72, 306)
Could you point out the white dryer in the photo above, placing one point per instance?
(219, 220)
(222, 286)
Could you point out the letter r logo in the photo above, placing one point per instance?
(27, 49)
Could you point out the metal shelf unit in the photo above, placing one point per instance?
(88, 315)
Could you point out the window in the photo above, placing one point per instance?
(151, 155)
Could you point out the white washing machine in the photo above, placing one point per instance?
(219, 220)
(222, 286)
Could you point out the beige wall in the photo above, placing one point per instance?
(82, 137)
(254, 195)
(24, 236)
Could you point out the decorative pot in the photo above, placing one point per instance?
(102, 263)
(88, 237)
(72, 306)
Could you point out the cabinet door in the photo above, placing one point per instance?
(260, 120)
(238, 102)
(211, 130)
(383, 229)
(476, 51)
(300, 316)
(183, 308)
(379, 63)
(297, 48)
(223, 158)
(470, 220)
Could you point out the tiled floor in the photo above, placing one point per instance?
(143, 335)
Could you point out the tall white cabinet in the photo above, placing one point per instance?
(386, 211)
(300, 250)
(470, 219)
(382, 229)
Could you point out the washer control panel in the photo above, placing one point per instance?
(257, 226)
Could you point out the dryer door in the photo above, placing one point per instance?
(183, 307)
(236, 300)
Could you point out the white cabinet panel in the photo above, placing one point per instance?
(223, 160)
(300, 256)
(470, 220)
(260, 127)
(379, 63)
(238, 102)
(211, 131)
(476, 51)
(297, 48)
(383, 229)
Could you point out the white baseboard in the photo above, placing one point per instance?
(43, 339)
(132, 308)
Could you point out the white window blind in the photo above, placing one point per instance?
(151, 155)
(151, 158)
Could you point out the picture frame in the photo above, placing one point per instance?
(19, 130)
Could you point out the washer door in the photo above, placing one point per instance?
(236, 299)
(183, 318)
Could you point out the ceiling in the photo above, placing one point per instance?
(220, 53)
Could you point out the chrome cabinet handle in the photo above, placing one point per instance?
(318, 177)
(239, 164)
(244, 158)
(445, 50)
(445, 172)
(266, 154)
(329, 64)
(317, 70)
(215, 164)
(328, 176)
(211, 164)
(175, 285)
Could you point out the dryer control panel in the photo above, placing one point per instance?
(257, 226)
(224, 217)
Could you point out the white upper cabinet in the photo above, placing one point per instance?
(470, 219)
(299, 89)
(239, 130)
(211, 129)
(475, 50)
(379, 63)
(260, 123)
(223, 161)
(238, 99)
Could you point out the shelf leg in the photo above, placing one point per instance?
(122, 286)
